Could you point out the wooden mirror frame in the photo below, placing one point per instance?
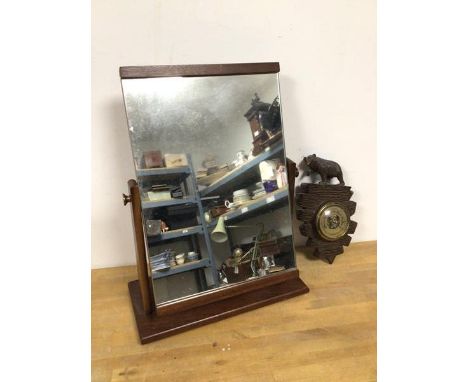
(165, 319)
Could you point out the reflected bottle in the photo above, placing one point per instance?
(268, 174)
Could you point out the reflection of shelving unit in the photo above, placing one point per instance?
(245, 176)
(272, 200)
(186, 175)
(166, 203)
(174, 234)
(168, 172)
(204, 263)
(242, 175)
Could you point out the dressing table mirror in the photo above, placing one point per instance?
(212, 197)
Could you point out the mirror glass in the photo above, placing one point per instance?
(210, 164)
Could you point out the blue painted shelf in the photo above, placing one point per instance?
(170, 202)
(163, 171)
(175, 234)
(246, 172)
(269, 200)
(203, 263)
(186, 175)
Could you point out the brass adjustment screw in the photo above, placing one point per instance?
(126, 199)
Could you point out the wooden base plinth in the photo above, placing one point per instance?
(152, 327)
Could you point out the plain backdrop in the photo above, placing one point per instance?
(327, 54)
(326, 51)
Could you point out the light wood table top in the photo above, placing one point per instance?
(327, 335)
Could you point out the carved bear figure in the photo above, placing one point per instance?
(327, 169)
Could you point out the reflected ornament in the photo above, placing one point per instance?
(237, 255)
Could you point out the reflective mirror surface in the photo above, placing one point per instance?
(210, 163)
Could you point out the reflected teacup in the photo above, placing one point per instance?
(229, 204)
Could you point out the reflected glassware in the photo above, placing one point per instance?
(269, 175)
(153, 227)
(281, 176)
(229, 204)
(207, 217)
(270, 185)
(241, 158)
(241, 196)
(180, 258)
(192, 256)
(160, 261)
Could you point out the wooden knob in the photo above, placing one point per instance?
(126, 199)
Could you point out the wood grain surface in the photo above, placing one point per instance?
(328, 334)
(146, 289)
(127, 72)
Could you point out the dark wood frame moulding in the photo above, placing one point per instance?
(129, 72)
(165, 319)
(224, 292)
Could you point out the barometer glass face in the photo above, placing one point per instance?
(332, 221)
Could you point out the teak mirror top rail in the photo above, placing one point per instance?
(129, 72)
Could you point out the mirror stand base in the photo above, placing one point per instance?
(152, 327)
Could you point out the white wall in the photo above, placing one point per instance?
(327, 53)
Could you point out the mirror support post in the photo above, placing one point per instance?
(145, 287)
(293, 172)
